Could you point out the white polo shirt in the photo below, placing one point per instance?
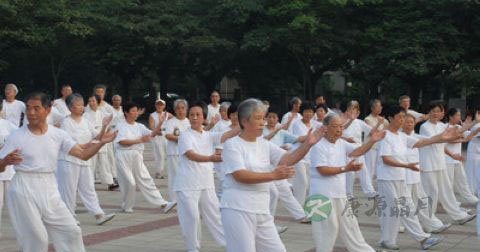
(395, 145)
(432, 157)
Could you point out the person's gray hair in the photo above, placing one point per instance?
(71, 99)
(116, 95)
(247, 107)
(374, 101)
(225, 105)
(178, 101)
(353, 103)
(403, 97)
(11, 85)
(328, 119)
(294, 100)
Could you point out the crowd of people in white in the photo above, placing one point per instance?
(52, 150)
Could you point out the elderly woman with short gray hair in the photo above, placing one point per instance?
(251, 163)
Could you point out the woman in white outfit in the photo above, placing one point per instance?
(34, 203)
(454, 159)
(173, 128)
(391, 176)
(132, 173)
(100, 163)
(159, 141)
(356, 130)
(300, 181)
(194, 184)
(248, 160)
(294, 114)
(74, 174)
(473, 156)
(428, 220)
(373, 120)
(6, 128)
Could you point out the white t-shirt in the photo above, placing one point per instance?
(193, 175)
(287, 116)
(212, 111)
(355, 130)
(127, 131)
(455, 148)
(282, 137)
(415, 114)
(61, 106)
(222, 125)
(474, 144)
(300, 129)
(39, 152)
(325, 153)
(82, 132)
(258, 156)
(6, 128)
(395, 146)
(118, 117)
(171, 126)
(432, 157)
(13, 111)
(412, 156)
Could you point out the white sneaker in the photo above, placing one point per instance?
(105, 218)
(126, 210)
(281, 229)
(169, 206)
(401, 229)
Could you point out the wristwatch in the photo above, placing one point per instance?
(342, 169)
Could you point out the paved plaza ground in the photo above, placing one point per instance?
(148, 229)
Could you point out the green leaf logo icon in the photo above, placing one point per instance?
(318, 207)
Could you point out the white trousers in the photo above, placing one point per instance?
(38, 213)
(4, 184)
(371, 162)
(471, 166)
(458, 179)
(72, 177)
(250, 232)
(339, 224)
(132, 173)
(426, 216)
(437, 186)
(300, 181)
(160, 153)
(365, 180)
(396, 197)
(281, 189)
(172, 164)
(112, 168)
(190, 206)
(101, 168)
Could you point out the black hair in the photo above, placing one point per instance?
(273, 111)
(232, 109)
(130, 105)
(42, 97)
(323, 106)
(102, 86)
(65, 85)
(201, 105)
(97, 98)
(307, 106)
(435, 104)
(374, 101)
(393, 110)
(451, 112)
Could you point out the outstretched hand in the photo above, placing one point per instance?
(450, 134)
(107, 120)
(314, 136)
(377, 135)
(108, 136)
(283, 172)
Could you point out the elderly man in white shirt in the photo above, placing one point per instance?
(36, 209)
(60, 103)
(214, 106)
(404, 102)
